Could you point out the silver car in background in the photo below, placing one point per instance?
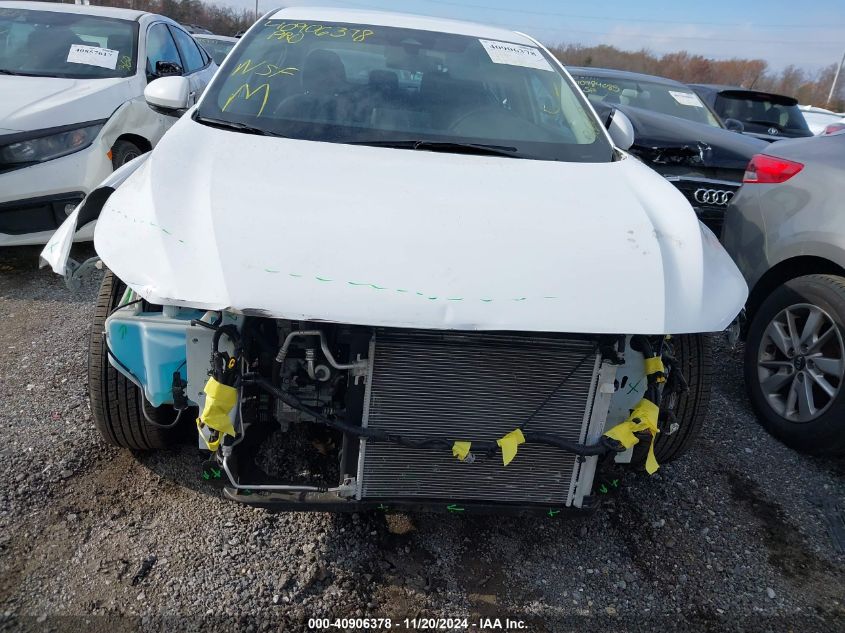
(785, 230)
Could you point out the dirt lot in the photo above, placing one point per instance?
(735, 536)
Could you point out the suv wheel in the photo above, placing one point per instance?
(795, 363)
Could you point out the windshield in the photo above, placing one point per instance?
(354, 83)
(53, 44)
(666, 99)
(762, 113)
(218, 49)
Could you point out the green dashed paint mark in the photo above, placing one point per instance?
(364, 284)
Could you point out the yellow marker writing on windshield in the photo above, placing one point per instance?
(249, 94)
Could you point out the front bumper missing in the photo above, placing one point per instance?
(329, 502)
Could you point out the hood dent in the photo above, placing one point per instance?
(385, 237)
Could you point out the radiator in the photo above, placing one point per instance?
(475, 386)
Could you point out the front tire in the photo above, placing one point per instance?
(795, 364)
(115, 401)
(694, 354)
(124, 151)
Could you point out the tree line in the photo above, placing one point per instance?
(808, 87)
(217, 19)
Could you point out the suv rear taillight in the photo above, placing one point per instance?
(770, 170)
(833, 128)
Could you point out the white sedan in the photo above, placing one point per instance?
(72, 80)
(416, 237)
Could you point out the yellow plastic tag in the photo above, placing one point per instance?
(509, 444)
(646, 412)
(655, 366)
(219, 401)
(206, 434)
(461, 450)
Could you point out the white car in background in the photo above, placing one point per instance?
(72, 81)
(820, 119)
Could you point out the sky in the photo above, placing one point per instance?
(809, 33)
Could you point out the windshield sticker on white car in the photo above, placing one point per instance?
(686, 98)
(515, 55)
(93, 56)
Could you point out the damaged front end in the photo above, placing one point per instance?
(340, 417)
(489, 334)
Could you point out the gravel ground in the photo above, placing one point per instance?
(731, 537)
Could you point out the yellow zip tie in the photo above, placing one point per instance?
(461, 450)
(220, 399)
(646, 412)
(212, 445)
(509, 444)
(655, 366)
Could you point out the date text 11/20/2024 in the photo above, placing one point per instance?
(416, 624)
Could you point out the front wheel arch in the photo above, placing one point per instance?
(785, 271)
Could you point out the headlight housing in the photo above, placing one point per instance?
(36, 147)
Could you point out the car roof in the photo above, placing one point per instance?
(623, 74)
(721, 87)
(105, 12)
(771, 96)
(400, 20)
(212, 36)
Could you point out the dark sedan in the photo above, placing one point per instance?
(676, 134)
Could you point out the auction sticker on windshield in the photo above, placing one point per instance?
(93, 56)
(515, 55)
(686, 98)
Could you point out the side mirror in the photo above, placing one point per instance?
(168, 95)
(734, 125)
(168, 69)
(621, 129)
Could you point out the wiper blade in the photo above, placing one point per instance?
(445, 146)
(235, 125)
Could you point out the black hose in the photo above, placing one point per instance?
(603, 447)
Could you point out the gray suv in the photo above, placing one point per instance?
(785, 230)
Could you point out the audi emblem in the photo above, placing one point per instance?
(715, 197)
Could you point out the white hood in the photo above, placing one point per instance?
(34, 103)
(352, 234)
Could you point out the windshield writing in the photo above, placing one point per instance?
(359, 83)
